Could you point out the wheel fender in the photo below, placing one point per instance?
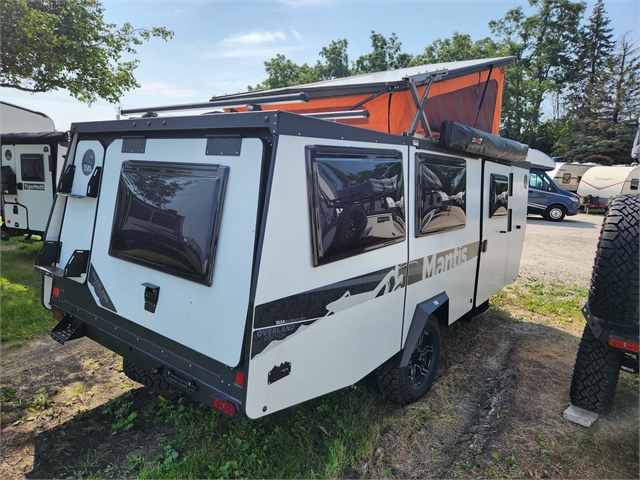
(437, 306)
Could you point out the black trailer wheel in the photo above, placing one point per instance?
(404, 385)
(595, 374)
(614, 293)
(138, 374)
(555, 213)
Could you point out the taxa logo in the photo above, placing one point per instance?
(88, 162)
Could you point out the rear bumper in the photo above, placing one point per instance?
(621, 337)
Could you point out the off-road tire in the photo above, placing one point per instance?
(140, 375)
(614, 292)
(555, 213)
(595, 374)
(394, 382)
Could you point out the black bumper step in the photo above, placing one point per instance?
(68, 328)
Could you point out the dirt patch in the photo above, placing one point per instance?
(495, 409)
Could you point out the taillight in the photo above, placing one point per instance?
(55, 292)
(57, 314)
(239, 379)
(225, 406)
(626, 345)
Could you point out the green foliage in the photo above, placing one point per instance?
(121, 410)
(23, 316)
(49, 45)
(318, 439)
(459, 47)
(385, 55)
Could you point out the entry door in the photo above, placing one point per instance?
(34, 184)
(495, 230)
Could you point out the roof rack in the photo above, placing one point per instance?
(224, 103)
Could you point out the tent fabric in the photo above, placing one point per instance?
(458, 99)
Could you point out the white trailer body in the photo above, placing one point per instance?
(258, 260)
(600, 184)
(569, 175)
(30, 168)
(18, 119)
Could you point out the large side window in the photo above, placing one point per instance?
(167, 217)
(540, 182)
(441, 202)
(499, 192)
(32, 167)
(356, 200)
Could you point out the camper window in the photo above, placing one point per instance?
(32, 167)
(499, 195)
(441, 199)
(566, 178)
(167, 217)
(634, 184)
(356, 200)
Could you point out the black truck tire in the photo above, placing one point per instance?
(140, 375)
(615, 289)
(404, 385)
(595, 375)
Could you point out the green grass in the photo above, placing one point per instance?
(322, 438)
(557, 301)
(22, 316)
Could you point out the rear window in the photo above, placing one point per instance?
(356, 200)
(167, 217)
(32, 167)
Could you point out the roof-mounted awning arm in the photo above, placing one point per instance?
(420, 104)
(225, 103)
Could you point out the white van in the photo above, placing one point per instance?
(260, 259)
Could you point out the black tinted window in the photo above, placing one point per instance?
(167, 217)
(441, 202)
(499, 195)
(357, 201)
(32, 167)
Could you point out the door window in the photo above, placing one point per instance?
(499, 195)
(540, 182)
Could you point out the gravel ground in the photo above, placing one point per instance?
(561, 252)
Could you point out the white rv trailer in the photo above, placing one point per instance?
(569, 175)
(30, 169)
(18, 119)
(259, 259)
(600, 184)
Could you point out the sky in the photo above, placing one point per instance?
(219, 47)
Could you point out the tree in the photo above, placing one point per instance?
(336, 63)
(56, 44)
(459, 47)
(544, 45)
(284, 73)
(385, 55)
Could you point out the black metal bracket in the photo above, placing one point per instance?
(420, 104)
(66, 180)
(151, 294)
(77, 264)
(602, 329)
(49, 254)
(69, 328)
(94, 183)
(169, 375)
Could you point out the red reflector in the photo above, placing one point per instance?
(57, 314)
(239, 379)
(8, 221)
(626, 345)
(224, 406)
(55, 292)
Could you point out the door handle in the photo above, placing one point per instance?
(19, 186)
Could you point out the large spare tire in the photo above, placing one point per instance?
(615, 289)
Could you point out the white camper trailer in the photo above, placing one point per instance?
(569, 175)
(258, 259)
(30, 169)
(600, 184)
(18, 119)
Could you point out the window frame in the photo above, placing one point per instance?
(419, 158)
(315, 152)
(493, 206)
(37, 158)
(182, 170)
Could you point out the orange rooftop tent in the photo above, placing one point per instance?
(467, 92)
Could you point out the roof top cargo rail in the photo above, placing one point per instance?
(268, 253)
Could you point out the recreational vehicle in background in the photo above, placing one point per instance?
(295, 243)
(568, 176)
(32, 154)
(545, 197)
(600, 185)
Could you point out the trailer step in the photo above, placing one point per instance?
(68, 328)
